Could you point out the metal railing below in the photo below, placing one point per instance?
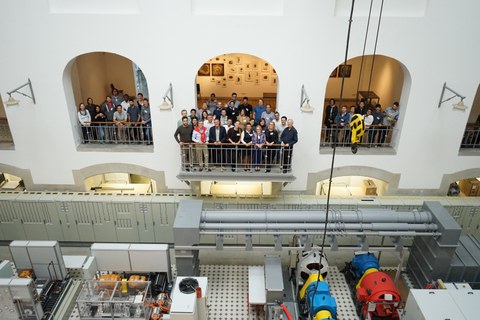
(236, 158)
(108, 132)
(374, 136)
(471, 138)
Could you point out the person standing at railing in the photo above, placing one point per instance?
(234, 136)
(85, 120)
(246, 107)
(120, 121)
(183, 136)
(377, 123)
(146, 121)
(281, 126)
(271, 137)
(200, 137)
(330, 115)
(216, 136)
(243, 119)
(133, 113)
(246, 140)
(391, 117)
(232, 112)
(259, 143)
(368, 120)
(108, 109)
(117, 98)
(98, 130)
(288, 138)
(258, 110)
(90, 106)
(341, 121)
(268, 115)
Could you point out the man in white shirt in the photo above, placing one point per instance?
(280, 126)
(125, 103)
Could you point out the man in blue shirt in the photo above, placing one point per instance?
(258, 110)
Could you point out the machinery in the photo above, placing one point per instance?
(374, 291)
(314, 293)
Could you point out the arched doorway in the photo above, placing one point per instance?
(384, 84)
(120, 182)
(352, 186)
(240, 73)
(96, 76)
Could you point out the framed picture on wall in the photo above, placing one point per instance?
(218, 82)
(241, 69)
(232, 69)
(231, 62)
(347, 68)
(204, 70)
(273, 80)
(239, 80)
(249, 76)
(218, 69)
(265, 66)
(212, 79)
(238, 60)
(254, 65)
(334, 73)
(231, 77)
(265, 77)
(274, 71)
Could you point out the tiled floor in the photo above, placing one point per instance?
(228, 291)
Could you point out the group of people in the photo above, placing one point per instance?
(377, 122)
(235, 134)
(118, 119)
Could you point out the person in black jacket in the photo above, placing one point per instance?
(216, 136)
(330, 115)
(287, 140)
(271, 136)
(183, 136)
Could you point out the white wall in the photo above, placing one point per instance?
(304, 40)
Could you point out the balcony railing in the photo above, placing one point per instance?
(5, 134)
(108, 132)
(375, 136)
(471, 137)
(235, 158)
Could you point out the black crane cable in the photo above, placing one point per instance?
(375, 49)
(363, 53)
(333, 154)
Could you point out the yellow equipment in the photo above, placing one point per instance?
(357, 128)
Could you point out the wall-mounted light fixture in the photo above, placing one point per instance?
(305, 101)
(11, 101)
(459, 105)
(167, 105)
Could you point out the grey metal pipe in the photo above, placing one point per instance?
(333, 233)
(319, 226)
(346, 216)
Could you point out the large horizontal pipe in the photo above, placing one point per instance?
(329, 233)
(319, 226)
(345, 216)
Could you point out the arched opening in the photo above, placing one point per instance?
(6, 140)
(469, 187)
(126, 176)
(98, 75)
(240, 73)
(365, 88)
(117, 182)
(471, 136)
(352, 186)
(385, 182)
(11, 182)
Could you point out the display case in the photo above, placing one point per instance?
(114, 299)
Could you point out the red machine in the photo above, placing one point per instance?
(376, 294)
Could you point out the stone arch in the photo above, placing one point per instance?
(84, 173)
(391, 178)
